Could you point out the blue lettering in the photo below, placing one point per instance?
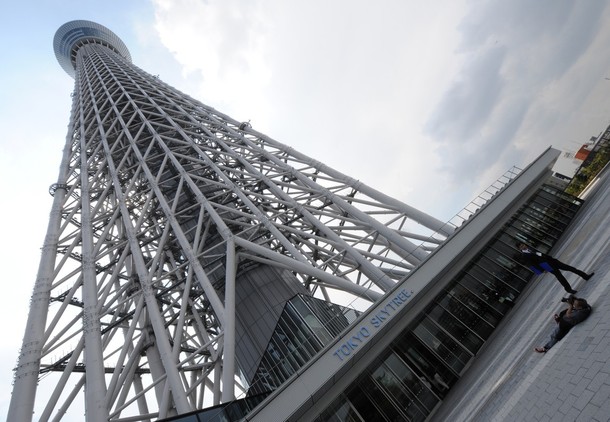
(404, 295)
(375, 321)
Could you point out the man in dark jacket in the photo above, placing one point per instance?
(578, 310)
(539, 263)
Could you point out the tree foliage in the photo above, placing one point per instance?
(587, 173)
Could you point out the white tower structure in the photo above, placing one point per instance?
(175, 235)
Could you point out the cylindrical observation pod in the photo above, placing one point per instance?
(74, 34)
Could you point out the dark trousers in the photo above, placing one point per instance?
(557, 265)
(558, 333)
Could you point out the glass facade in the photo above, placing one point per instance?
(233, 411)
(411, 377)
(306, 325)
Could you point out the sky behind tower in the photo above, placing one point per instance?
(429, 102)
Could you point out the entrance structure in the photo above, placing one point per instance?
(176, 237)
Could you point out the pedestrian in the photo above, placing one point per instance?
(578, 310)
(539, 263)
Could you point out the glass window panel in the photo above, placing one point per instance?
(508, 264)
(548, 210)
(311, 320)
(517, 235)
(369, 401)
(516, 280)
(500, 275)
(341, 410)
(488, 299)
(543, 239)
(286, 364)
(572, 200)
(539, 230)
(471, 311)
(567, 207)
(303, 336)
(425, 362)
(264, 380)
(508, 250)
(333, 317)
(456, 328)
(449, 350)
(538, 213)
(494, 292)
(535, 221)
(391, 385)
(420, 388)
(549, 203)
(287, 347)
(513, 235)
(189, 418)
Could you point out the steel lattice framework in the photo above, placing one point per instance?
(160, 204)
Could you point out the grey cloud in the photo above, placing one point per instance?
(470, 101)
(559, 30)
(472, 157)
(575, 36)
(520, 48)
(517, 22)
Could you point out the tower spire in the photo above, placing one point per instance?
(176, 238)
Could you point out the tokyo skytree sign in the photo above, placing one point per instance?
(176, 236)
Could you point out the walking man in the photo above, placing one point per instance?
(539, 263)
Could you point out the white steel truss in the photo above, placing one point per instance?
(160, 203)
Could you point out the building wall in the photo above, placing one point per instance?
(409, 379)
(407, 307)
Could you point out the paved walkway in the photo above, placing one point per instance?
(508, 381)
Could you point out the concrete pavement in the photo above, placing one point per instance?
(508, 381)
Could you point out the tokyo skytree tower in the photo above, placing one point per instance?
(176, 236)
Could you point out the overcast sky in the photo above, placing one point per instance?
(429, 102)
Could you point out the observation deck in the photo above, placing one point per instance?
(74, 34)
